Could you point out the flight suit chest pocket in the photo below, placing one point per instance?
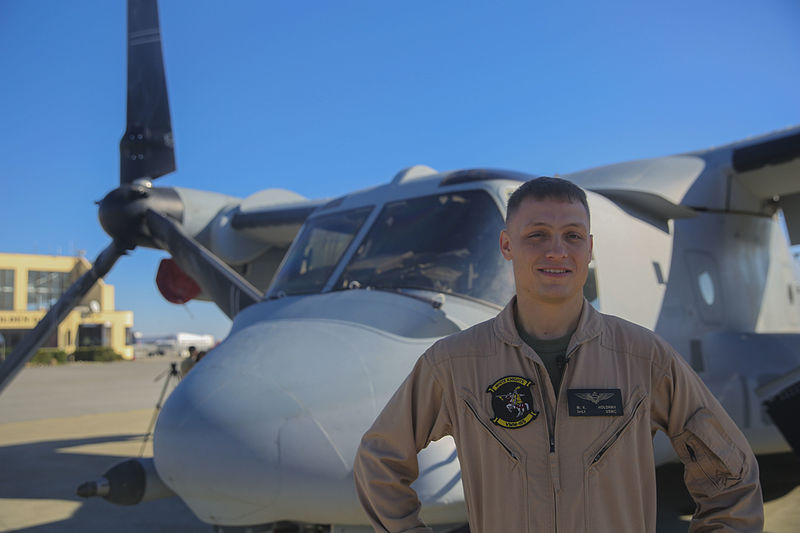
(614, 434)
(712, 461)
(494, 467)
(612, 461)
(479, 420)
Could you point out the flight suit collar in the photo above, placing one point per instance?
(590, 325)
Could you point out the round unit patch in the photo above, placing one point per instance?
(512, 402)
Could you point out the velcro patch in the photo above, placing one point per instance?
(595, 402)
(512, 402)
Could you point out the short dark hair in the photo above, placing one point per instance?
(545, 187)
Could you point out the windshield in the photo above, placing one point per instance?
(446, 243)
(317, 250)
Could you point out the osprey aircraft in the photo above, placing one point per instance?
(333, 301)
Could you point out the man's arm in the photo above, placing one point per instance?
(721, 472)
(386, 462)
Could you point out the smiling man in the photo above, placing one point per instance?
(553, 405)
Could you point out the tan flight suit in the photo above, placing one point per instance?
(581, 463)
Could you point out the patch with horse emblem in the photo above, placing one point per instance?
(512, 402)
(595, 402)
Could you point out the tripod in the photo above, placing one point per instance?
(170, 373)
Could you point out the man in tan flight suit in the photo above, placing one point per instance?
(553, 405)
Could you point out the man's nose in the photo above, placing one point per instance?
(557, 248)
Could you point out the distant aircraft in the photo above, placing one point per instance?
(178, 343)
(332, 302)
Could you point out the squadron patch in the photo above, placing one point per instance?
(512, 402)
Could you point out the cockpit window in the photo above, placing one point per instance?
(318, 249)
(446, 243)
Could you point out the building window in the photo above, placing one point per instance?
(45, 288)
(129, 340)
(94, 335)
(6, 290)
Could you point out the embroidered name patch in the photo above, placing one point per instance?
(595, 402)
(512, 402)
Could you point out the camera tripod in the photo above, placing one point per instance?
(171, 372)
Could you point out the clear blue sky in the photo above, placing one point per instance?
(326, 97)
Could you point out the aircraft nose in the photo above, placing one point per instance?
(269, 420)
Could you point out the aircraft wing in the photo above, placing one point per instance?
(767, 169)
(757, 175)
(648, 189)
(260, 217)
(250, 236)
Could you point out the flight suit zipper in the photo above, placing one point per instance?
(552, 463)
(562, 363)
(549, 412)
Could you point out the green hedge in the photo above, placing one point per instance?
(48, 356)
(96, 353)
(54, 356)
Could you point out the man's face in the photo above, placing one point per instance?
(549, 245)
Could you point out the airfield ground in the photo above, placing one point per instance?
(62, 425)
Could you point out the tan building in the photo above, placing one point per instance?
(30, 284)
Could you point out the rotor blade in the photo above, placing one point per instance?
(38, 335)
(229, 290)
(146, 149)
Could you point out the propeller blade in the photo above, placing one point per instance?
(146, 149)
(38, 335)
(229, 290)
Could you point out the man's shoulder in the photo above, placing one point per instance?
(477, 340)
(627, 336)
(619, 326)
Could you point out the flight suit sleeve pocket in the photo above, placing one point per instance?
(712, 461)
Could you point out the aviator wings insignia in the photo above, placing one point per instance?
(594, 397)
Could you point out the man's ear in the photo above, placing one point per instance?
(505, 245)
(591, 246)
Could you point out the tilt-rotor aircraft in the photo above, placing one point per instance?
(332, 302)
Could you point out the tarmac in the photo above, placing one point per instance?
(66, 424)
(63, 425)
